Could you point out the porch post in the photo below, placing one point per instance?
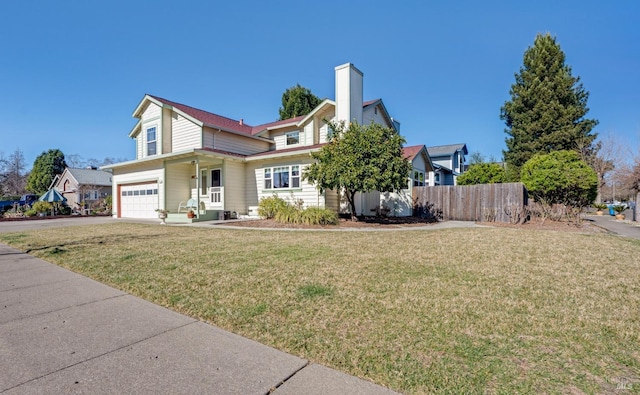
(197, 187)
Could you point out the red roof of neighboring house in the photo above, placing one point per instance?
(411, 152)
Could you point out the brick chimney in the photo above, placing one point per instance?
(348, 93)
(241, 121)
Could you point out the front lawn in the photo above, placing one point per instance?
(438, 311)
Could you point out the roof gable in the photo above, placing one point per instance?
(411, 152)
(90, 176)
(445, 150)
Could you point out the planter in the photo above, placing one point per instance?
(620, 216)
(162, 217)
(191, 214)
(599, 212)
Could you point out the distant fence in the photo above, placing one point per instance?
(486, 202)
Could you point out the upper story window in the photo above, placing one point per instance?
(418, 178)
(282, 177)
(293, 138)
(151, 141)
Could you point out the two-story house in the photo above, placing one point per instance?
(228, 165)
(448, 163)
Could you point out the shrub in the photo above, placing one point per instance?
(319, 216)
(269, 207)
(482, 173)
(41, 207)
(560, 177)
(289, 215)
(30, 213)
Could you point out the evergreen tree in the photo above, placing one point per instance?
(548, 106)
(46, 166)
(297, 101)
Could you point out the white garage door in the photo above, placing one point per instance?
(139, 200)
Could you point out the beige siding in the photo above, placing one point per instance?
(185, 134)
(152, 112)
(255, 183)
(233, 181)
(241, 145)
(151, 117)
(324, 129)
(137, 174)
(308, 134)
(139, 147)
(178, 180)
(207, 138)
(332, 200)
(166, 131)
(71, 192)
(374, 114)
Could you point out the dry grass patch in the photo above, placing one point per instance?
(448, 311)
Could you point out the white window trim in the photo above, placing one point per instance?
(291, 178)
(286, 138)
(416, 181)
(146, 139)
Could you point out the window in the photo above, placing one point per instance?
(418, 178)
(438, 177)
(90, 195)
(151, 141)
(293, 138)
(203, 181)
(295, 176)
(282, 177)
(267, 178)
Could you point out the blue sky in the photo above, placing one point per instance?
(73, 71)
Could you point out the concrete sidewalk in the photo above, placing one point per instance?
(624, 228)
(61, 332)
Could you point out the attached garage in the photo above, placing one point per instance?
(138, 200)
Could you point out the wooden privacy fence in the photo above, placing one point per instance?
(486, 202)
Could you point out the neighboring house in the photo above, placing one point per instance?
(83, 186)
(448, 161)
(400, 204)
(227, 165)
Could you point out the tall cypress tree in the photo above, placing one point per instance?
(547, 108)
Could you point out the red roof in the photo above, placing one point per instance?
(411, 152)
(286, 150)
(209, 118)
(234, 125)
(370, 102)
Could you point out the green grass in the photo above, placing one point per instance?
(450, 311)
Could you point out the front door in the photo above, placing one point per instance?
(216, 179)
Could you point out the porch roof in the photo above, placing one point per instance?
(212, 153)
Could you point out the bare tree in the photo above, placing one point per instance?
(627, 175)
(13, 177)
(603, 156)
